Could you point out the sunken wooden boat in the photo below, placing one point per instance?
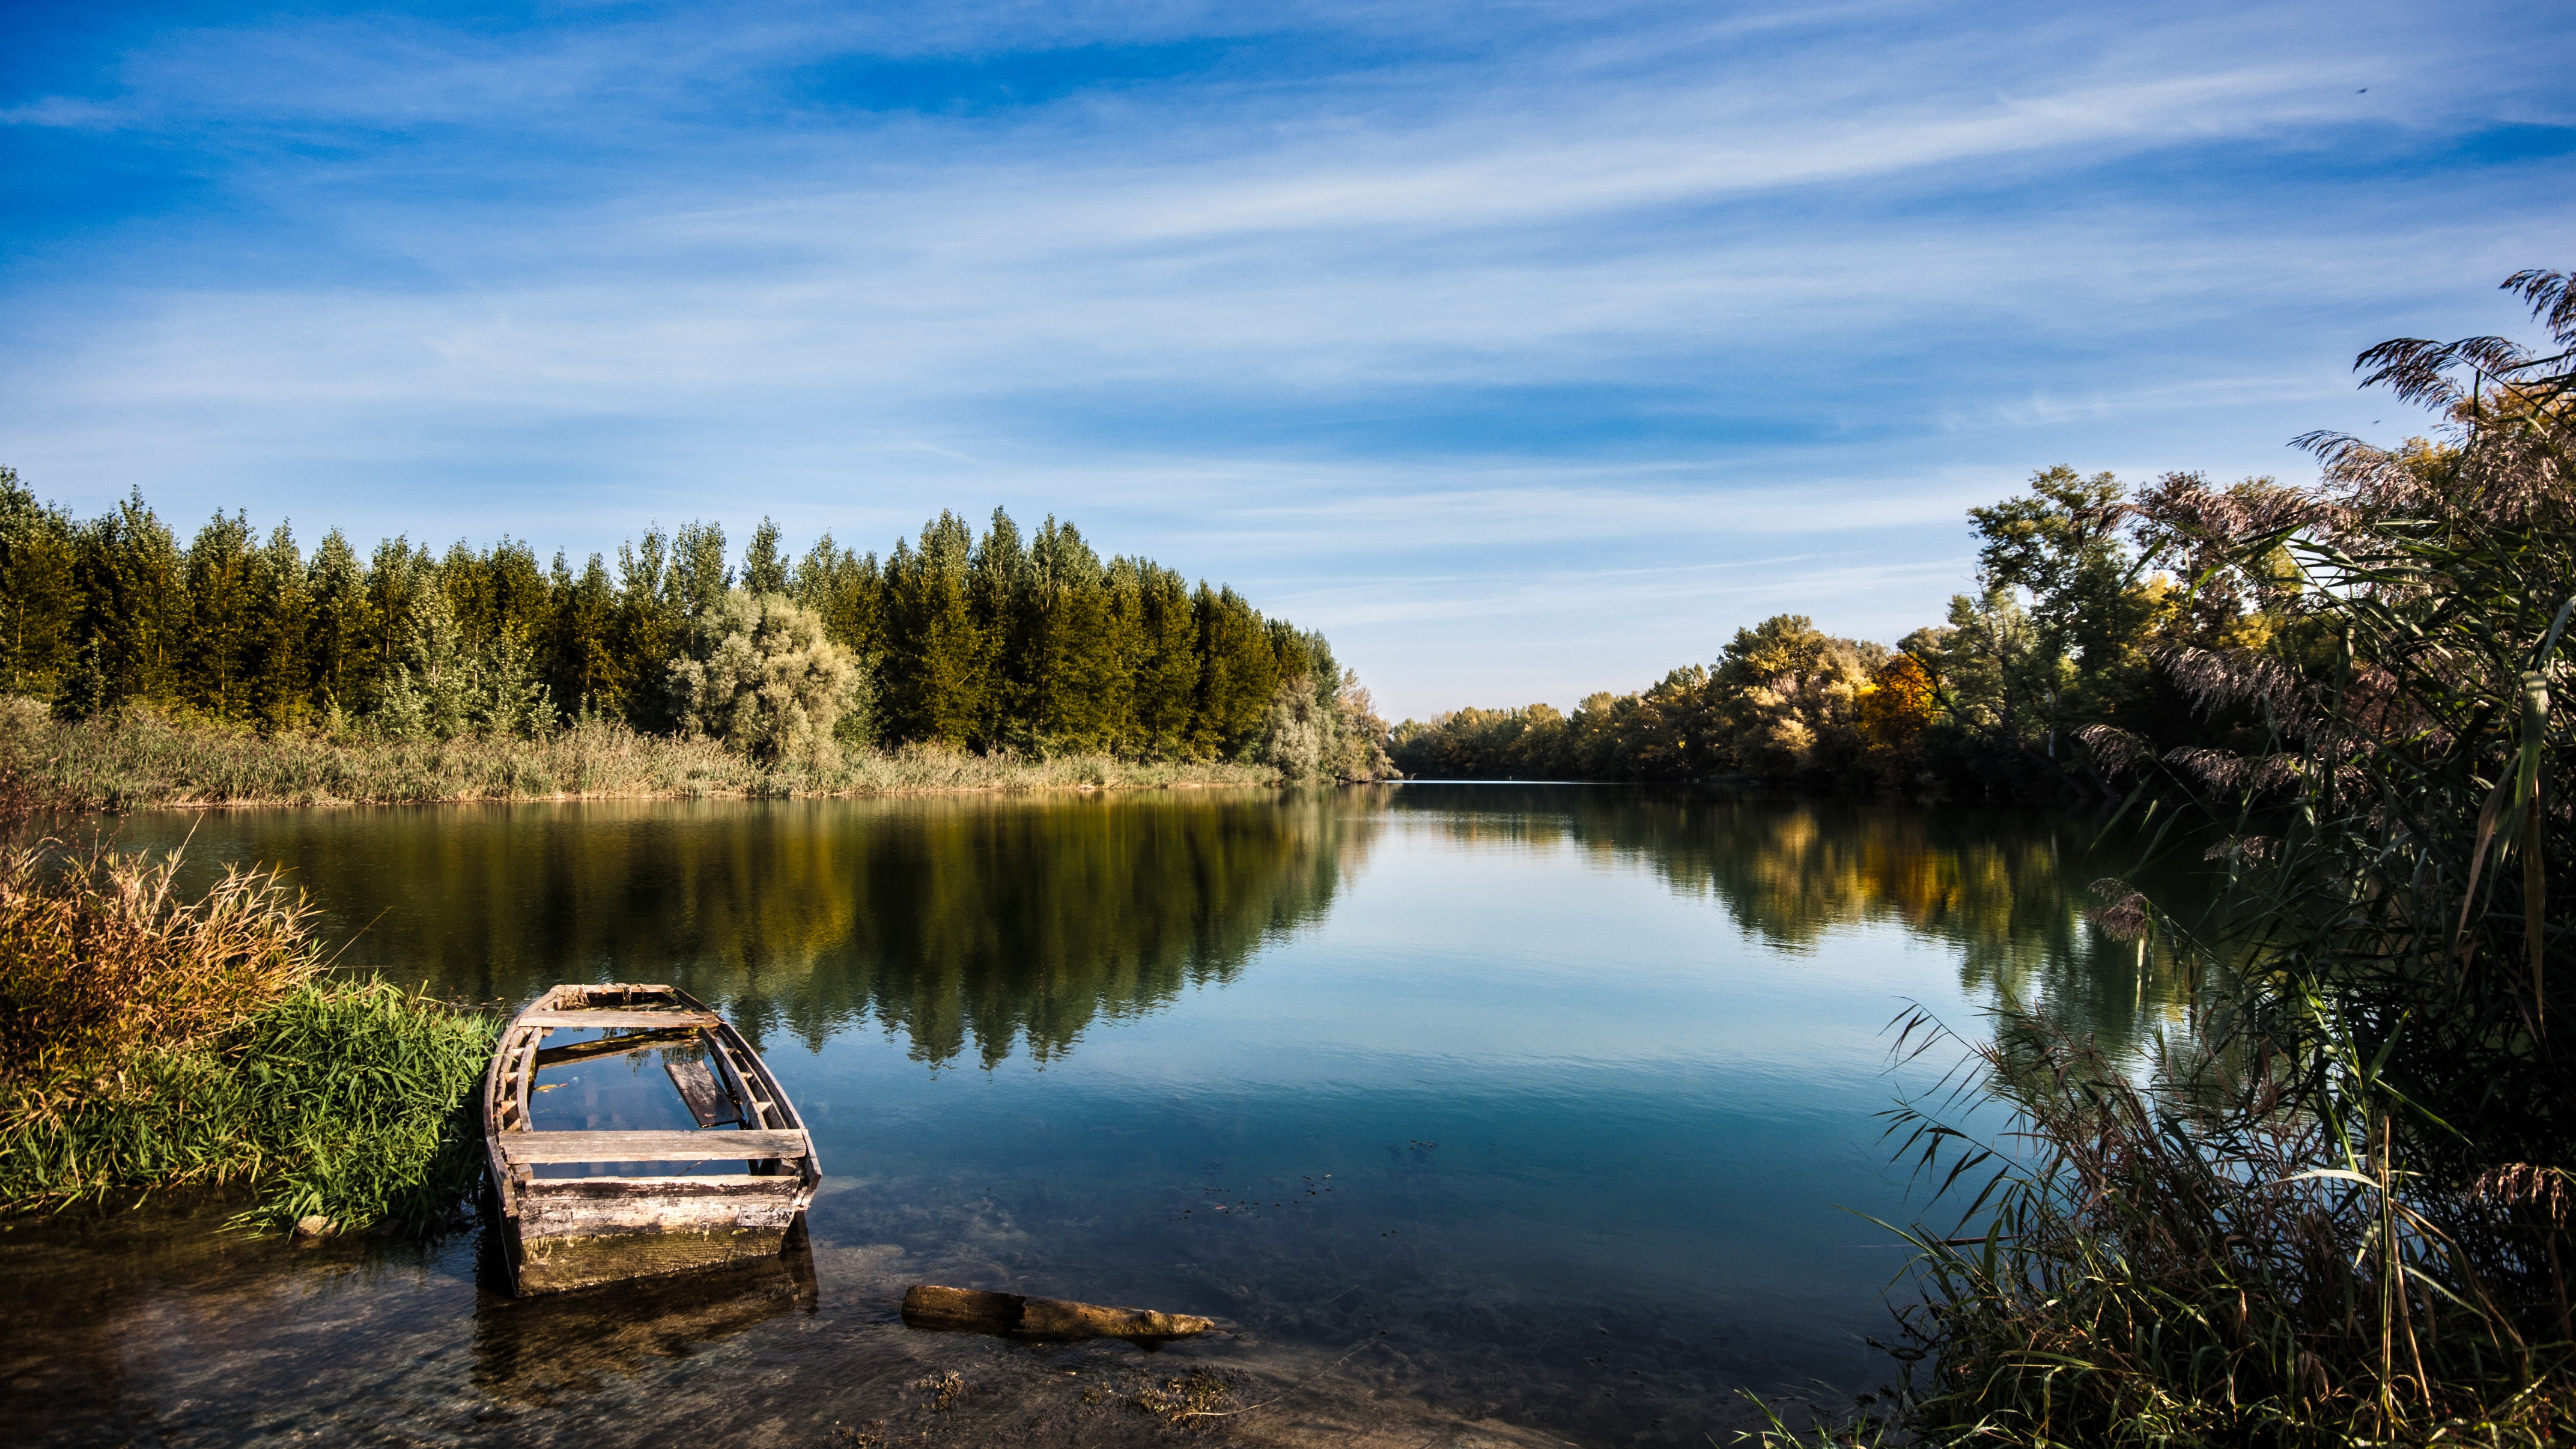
(579, 1207)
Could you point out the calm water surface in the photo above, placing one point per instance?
(1555, 1103)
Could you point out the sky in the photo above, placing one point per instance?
(1525, 350)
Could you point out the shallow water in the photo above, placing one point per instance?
(1474, 1114)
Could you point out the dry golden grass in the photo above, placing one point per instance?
(144, 758)
(101, 963)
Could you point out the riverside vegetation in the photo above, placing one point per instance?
(2337, 1212)
(149, 1040)
(240, 669)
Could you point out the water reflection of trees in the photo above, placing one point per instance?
(2005, 890)
(962, 923)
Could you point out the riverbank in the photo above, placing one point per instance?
(151, 1040)
(146, 759)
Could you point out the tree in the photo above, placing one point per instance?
(581, 648)
(430, 692)
(280, 693)
(1237, 673)
(1079, 686)
(647, 626)
(1151, 606)
(764, 570)
(936, 650)
(222, 618)
(698, 577)
(762, 677)
(39, 597)
(335, 639)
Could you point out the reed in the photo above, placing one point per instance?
(145, 758)
(2197, 1259)
(150, 1040)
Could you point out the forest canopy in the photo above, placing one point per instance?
(998, 642)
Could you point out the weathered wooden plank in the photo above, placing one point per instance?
(928, 1305)
(547, 1216)
(707, 1101)
(609, 1046)
(700, 1184)
(552, 1264)
(521, 1148)
(611, 1017)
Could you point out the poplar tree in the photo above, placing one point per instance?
(39, 596)
(1165, 688)
(999, 591)
(764, 569)
(647, 628)
(1078, 684)
(279, 694)
(221, 621)
(335, 633)
(846, 591)
(583, 665)
(935, 650)
(699, 577)
(1237, 673)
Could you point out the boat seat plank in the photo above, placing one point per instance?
(610, 1046)
(528, 1148)
(608, 1017)
(709, 1103)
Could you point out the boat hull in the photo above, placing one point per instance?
(577, 1232)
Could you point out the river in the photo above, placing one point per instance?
(1476, 1114)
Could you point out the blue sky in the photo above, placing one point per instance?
(1527, 350)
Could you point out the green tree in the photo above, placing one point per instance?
(39, 595)
(219, 646)
(1152, 610)
(1237, 673)
(936, 654)
(1000, 592)
(335, 648)
(582, 657)
(1079, 685)
(698, 578)
(280, 694)
(647, 626)
(847, 590)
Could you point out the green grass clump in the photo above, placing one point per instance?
(152, 1041)
(343, 1101)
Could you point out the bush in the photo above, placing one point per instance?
(762, 677)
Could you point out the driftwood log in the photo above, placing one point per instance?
(927, 1305)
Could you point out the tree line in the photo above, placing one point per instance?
(2087, 591)
(1003, 641)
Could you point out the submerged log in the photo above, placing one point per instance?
(927, 1305)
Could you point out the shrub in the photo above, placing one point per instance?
(762, 677)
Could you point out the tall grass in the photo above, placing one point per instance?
(150, 1040)
(2195, 1259)
(145, 758)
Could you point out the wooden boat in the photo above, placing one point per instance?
(661, 1214)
